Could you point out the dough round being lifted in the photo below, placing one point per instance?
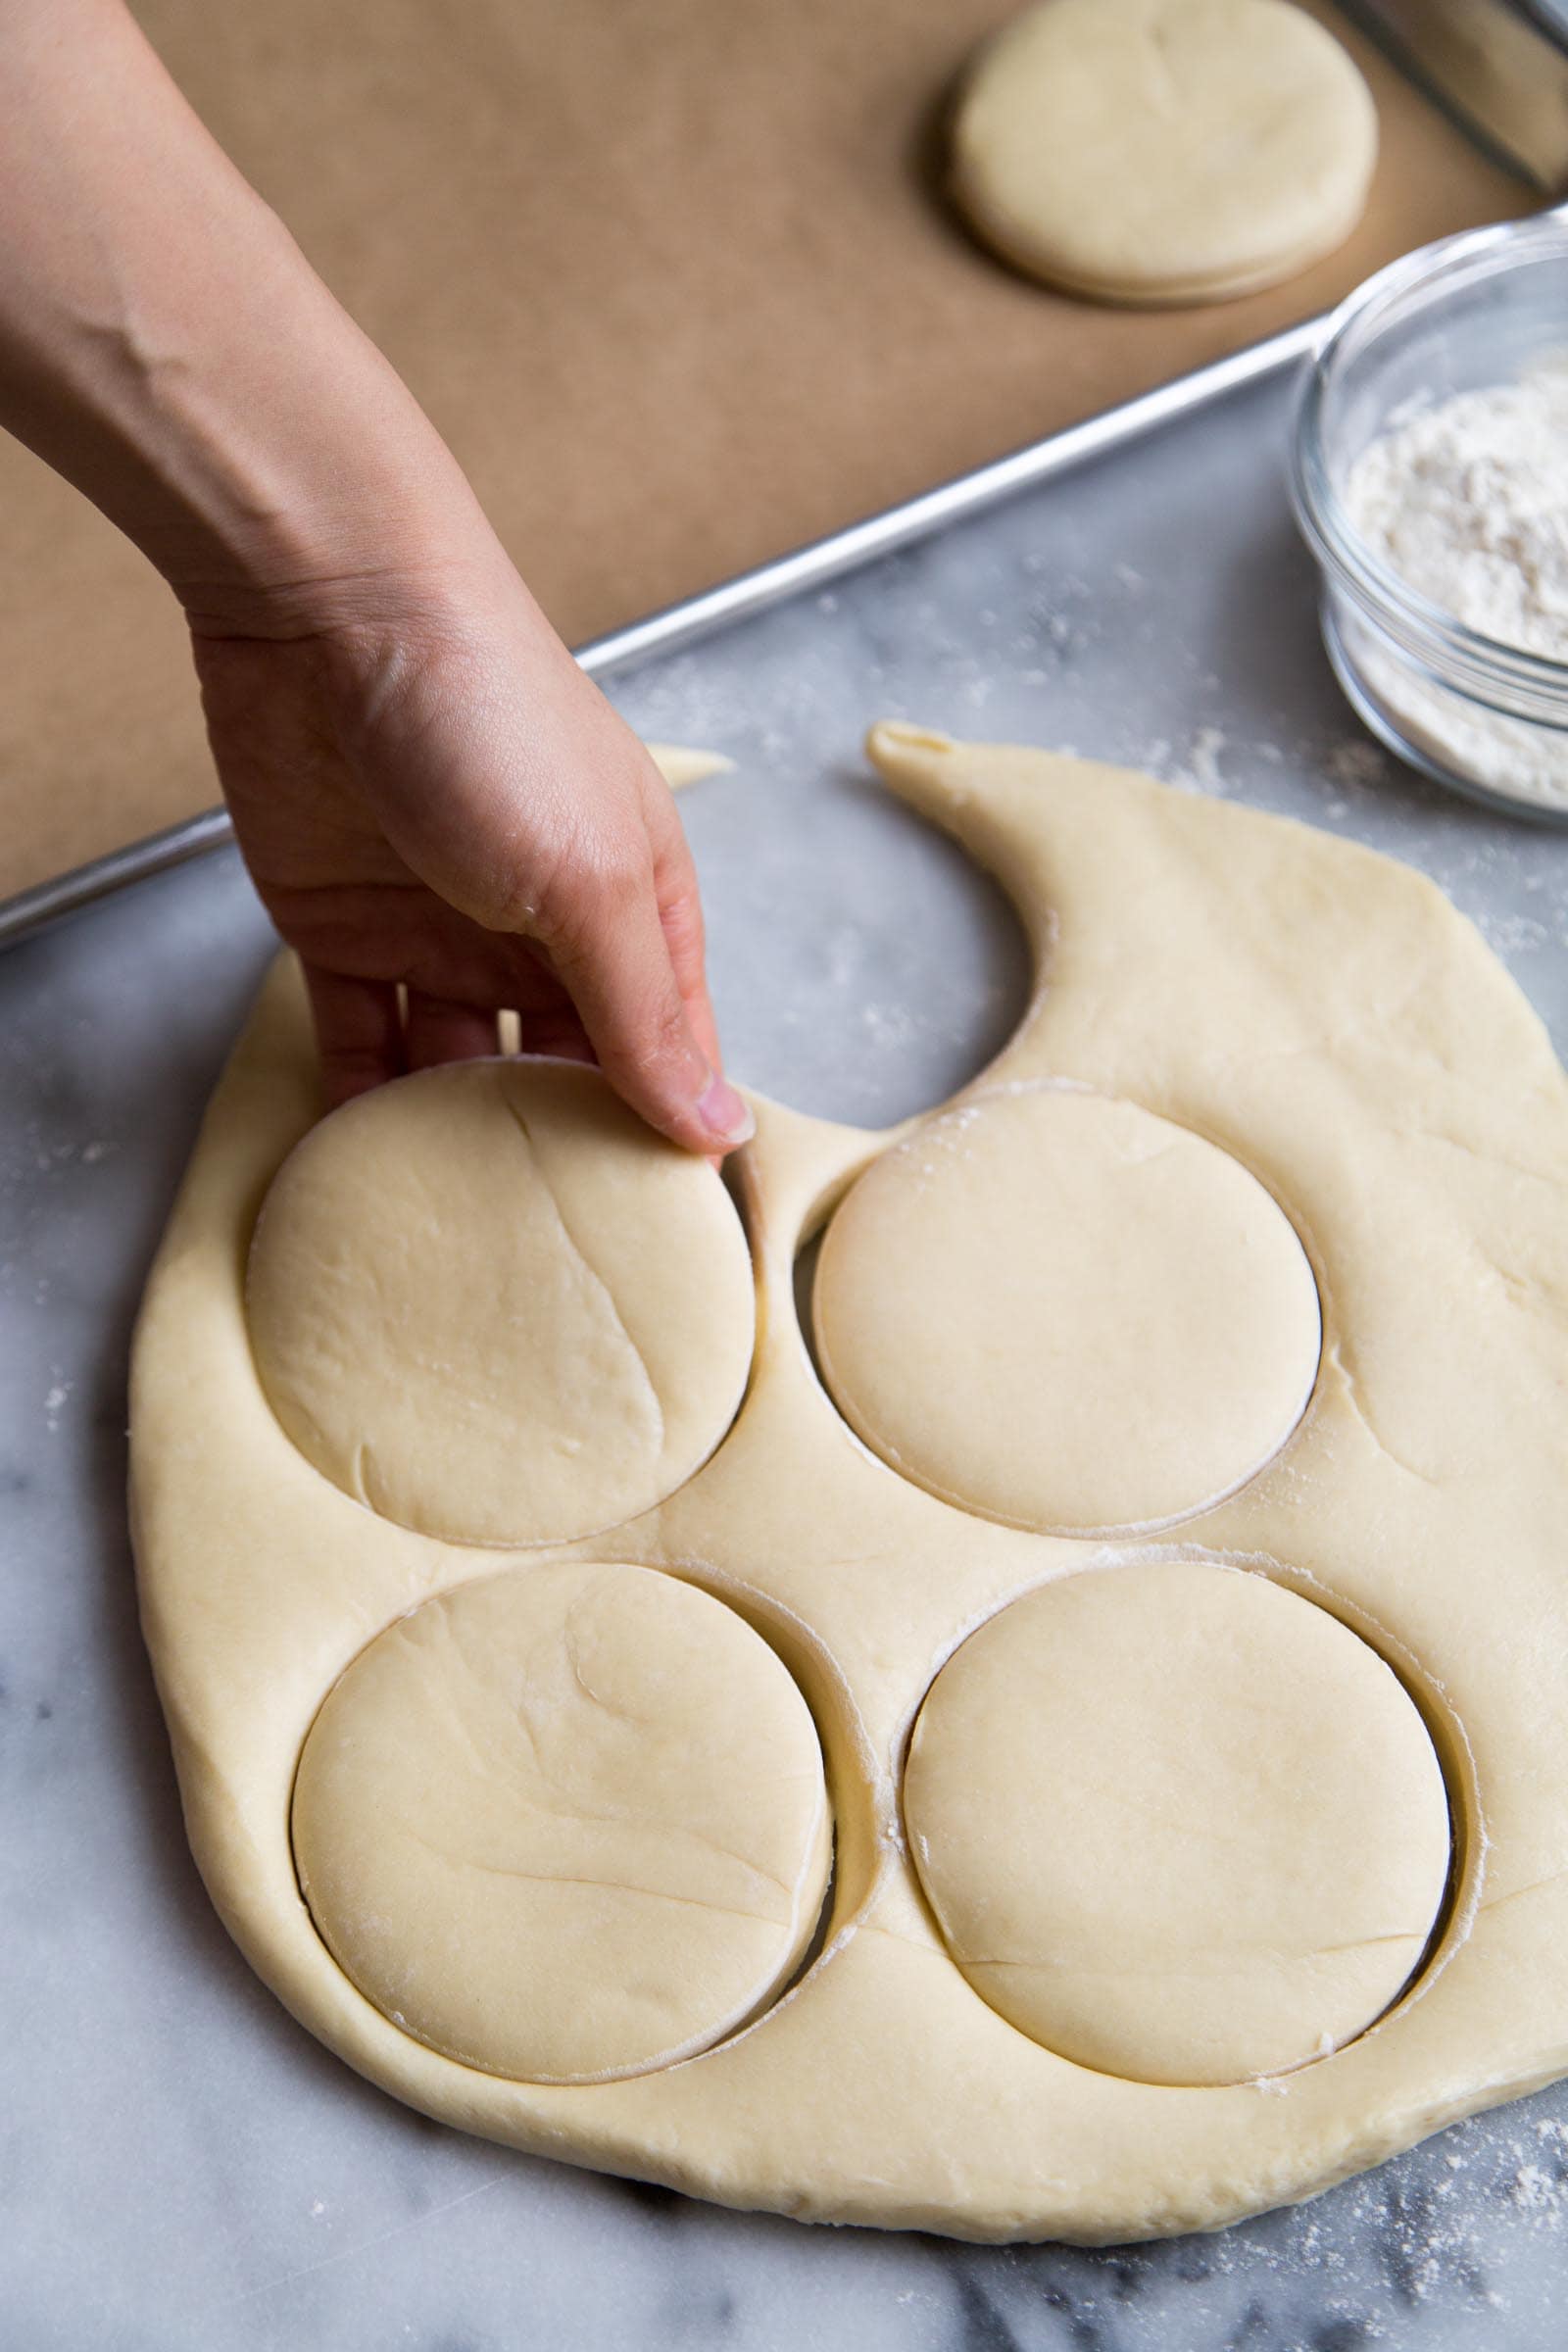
(1177, 1823)
(1058, 1310)
(492, 1305)
(1163, 150)
(565, 1823)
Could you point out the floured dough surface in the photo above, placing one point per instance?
(566, 1822)
(1178, 1823)
(1163, 150)
(1178, 1770)
(490, 1303)
(1067, 1313)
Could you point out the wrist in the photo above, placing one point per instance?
(382, 557)
(331, 503)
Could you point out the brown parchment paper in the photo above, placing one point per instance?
(670, 277)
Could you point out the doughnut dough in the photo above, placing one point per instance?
(555, 1378)
(1163, 150)
(1178, 1823)
(1123, 1326)
(564, 1823)
(1322, 1018)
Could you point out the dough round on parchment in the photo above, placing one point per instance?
(565, 1823)
(1058, 1311)
(493, 1305)
(1177, 1823)
(1163, 150)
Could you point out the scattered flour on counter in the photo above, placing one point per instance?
(1202, 759)
(1534, 2187)
(1353, 761)
(1512, 933)
(1468, 502)
(1198, 768)
(888, 1024)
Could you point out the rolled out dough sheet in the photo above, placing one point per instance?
(1322, 1018)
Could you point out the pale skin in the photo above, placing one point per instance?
(441, 813)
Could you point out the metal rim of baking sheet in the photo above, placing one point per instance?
(770, 583)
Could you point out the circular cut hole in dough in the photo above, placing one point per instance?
(1177, 1823)
(1061, 1311)
(491, 1304)
(1163, 150)
(565, 1823)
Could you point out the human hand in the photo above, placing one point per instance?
(430, 795)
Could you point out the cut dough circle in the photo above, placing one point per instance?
(493, 1305)
(1058, 1310)
(565, 1823)
(1177, 1823)
(1163, 150)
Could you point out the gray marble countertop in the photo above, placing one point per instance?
(182, 2167)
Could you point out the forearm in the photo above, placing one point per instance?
(165, 345)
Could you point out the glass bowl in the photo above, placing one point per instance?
(1487, 718)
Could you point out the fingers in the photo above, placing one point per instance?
(680, 912)
(618, 968)
(359, 1030)
(440, 1030)
(365, 1037)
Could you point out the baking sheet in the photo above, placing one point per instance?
(672, 280)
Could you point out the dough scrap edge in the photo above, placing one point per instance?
(881, 2091)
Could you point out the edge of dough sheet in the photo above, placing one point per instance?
(1410, 1116)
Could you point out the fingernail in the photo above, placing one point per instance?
(724, 1114)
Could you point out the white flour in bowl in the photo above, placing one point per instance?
(1468, 502)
